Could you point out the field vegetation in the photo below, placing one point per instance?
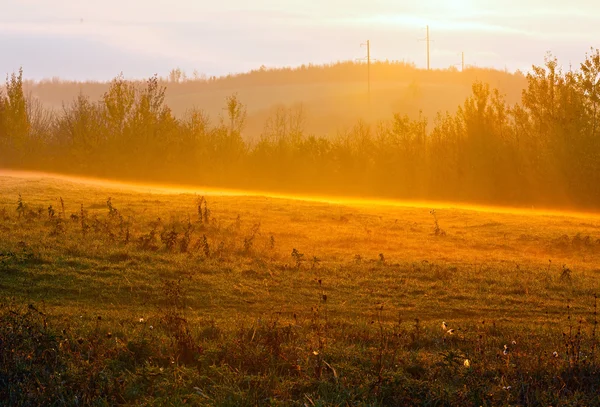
(147, 296)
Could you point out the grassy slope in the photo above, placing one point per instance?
(500, 267)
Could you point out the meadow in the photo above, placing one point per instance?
(148, 295)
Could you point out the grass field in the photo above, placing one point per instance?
(132, 295)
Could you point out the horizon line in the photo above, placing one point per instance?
(202, 77)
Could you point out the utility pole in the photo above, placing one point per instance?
(463, 61)
(368, 45)
(427, 39)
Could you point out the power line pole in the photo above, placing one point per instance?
(369, 68)
(427, 39)
(463, 61)
(368, 45)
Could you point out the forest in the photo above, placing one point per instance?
(542, 151)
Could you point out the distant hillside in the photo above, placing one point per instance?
(333, 97)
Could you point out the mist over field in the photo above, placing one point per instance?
(478, 135)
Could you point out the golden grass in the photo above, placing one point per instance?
(322, 299)
(491, 263)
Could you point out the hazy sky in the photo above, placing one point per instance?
(89, 39)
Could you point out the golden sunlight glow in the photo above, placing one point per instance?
(167, 189)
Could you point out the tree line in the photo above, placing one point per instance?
(543, 151)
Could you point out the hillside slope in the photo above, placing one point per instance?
(332, 97)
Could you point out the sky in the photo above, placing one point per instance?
(97, 40)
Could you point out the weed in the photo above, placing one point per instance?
(148, 241)
(220, 252)
(203, 243)
(199, 203)
(169, 238)
(184, 243)
(21, 208)
(298, 257)
(112, 211)
(249, 239)
(437, 231)
(272, 242)
(206, 213)
(315, 262)
(184, 344)
(83, 219)
(565, 275)
(58, 227)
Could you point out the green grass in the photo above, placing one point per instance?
(93, 316)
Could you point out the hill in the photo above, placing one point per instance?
(333, 97)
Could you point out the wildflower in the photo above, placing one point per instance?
(505, 351)
(466, 363)
(142, 320)
(555, 354)
(514, 343)
(444, 326)
(506, 388)
(450, 331)
(151, 327)
(109, 335)
(315, 352)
